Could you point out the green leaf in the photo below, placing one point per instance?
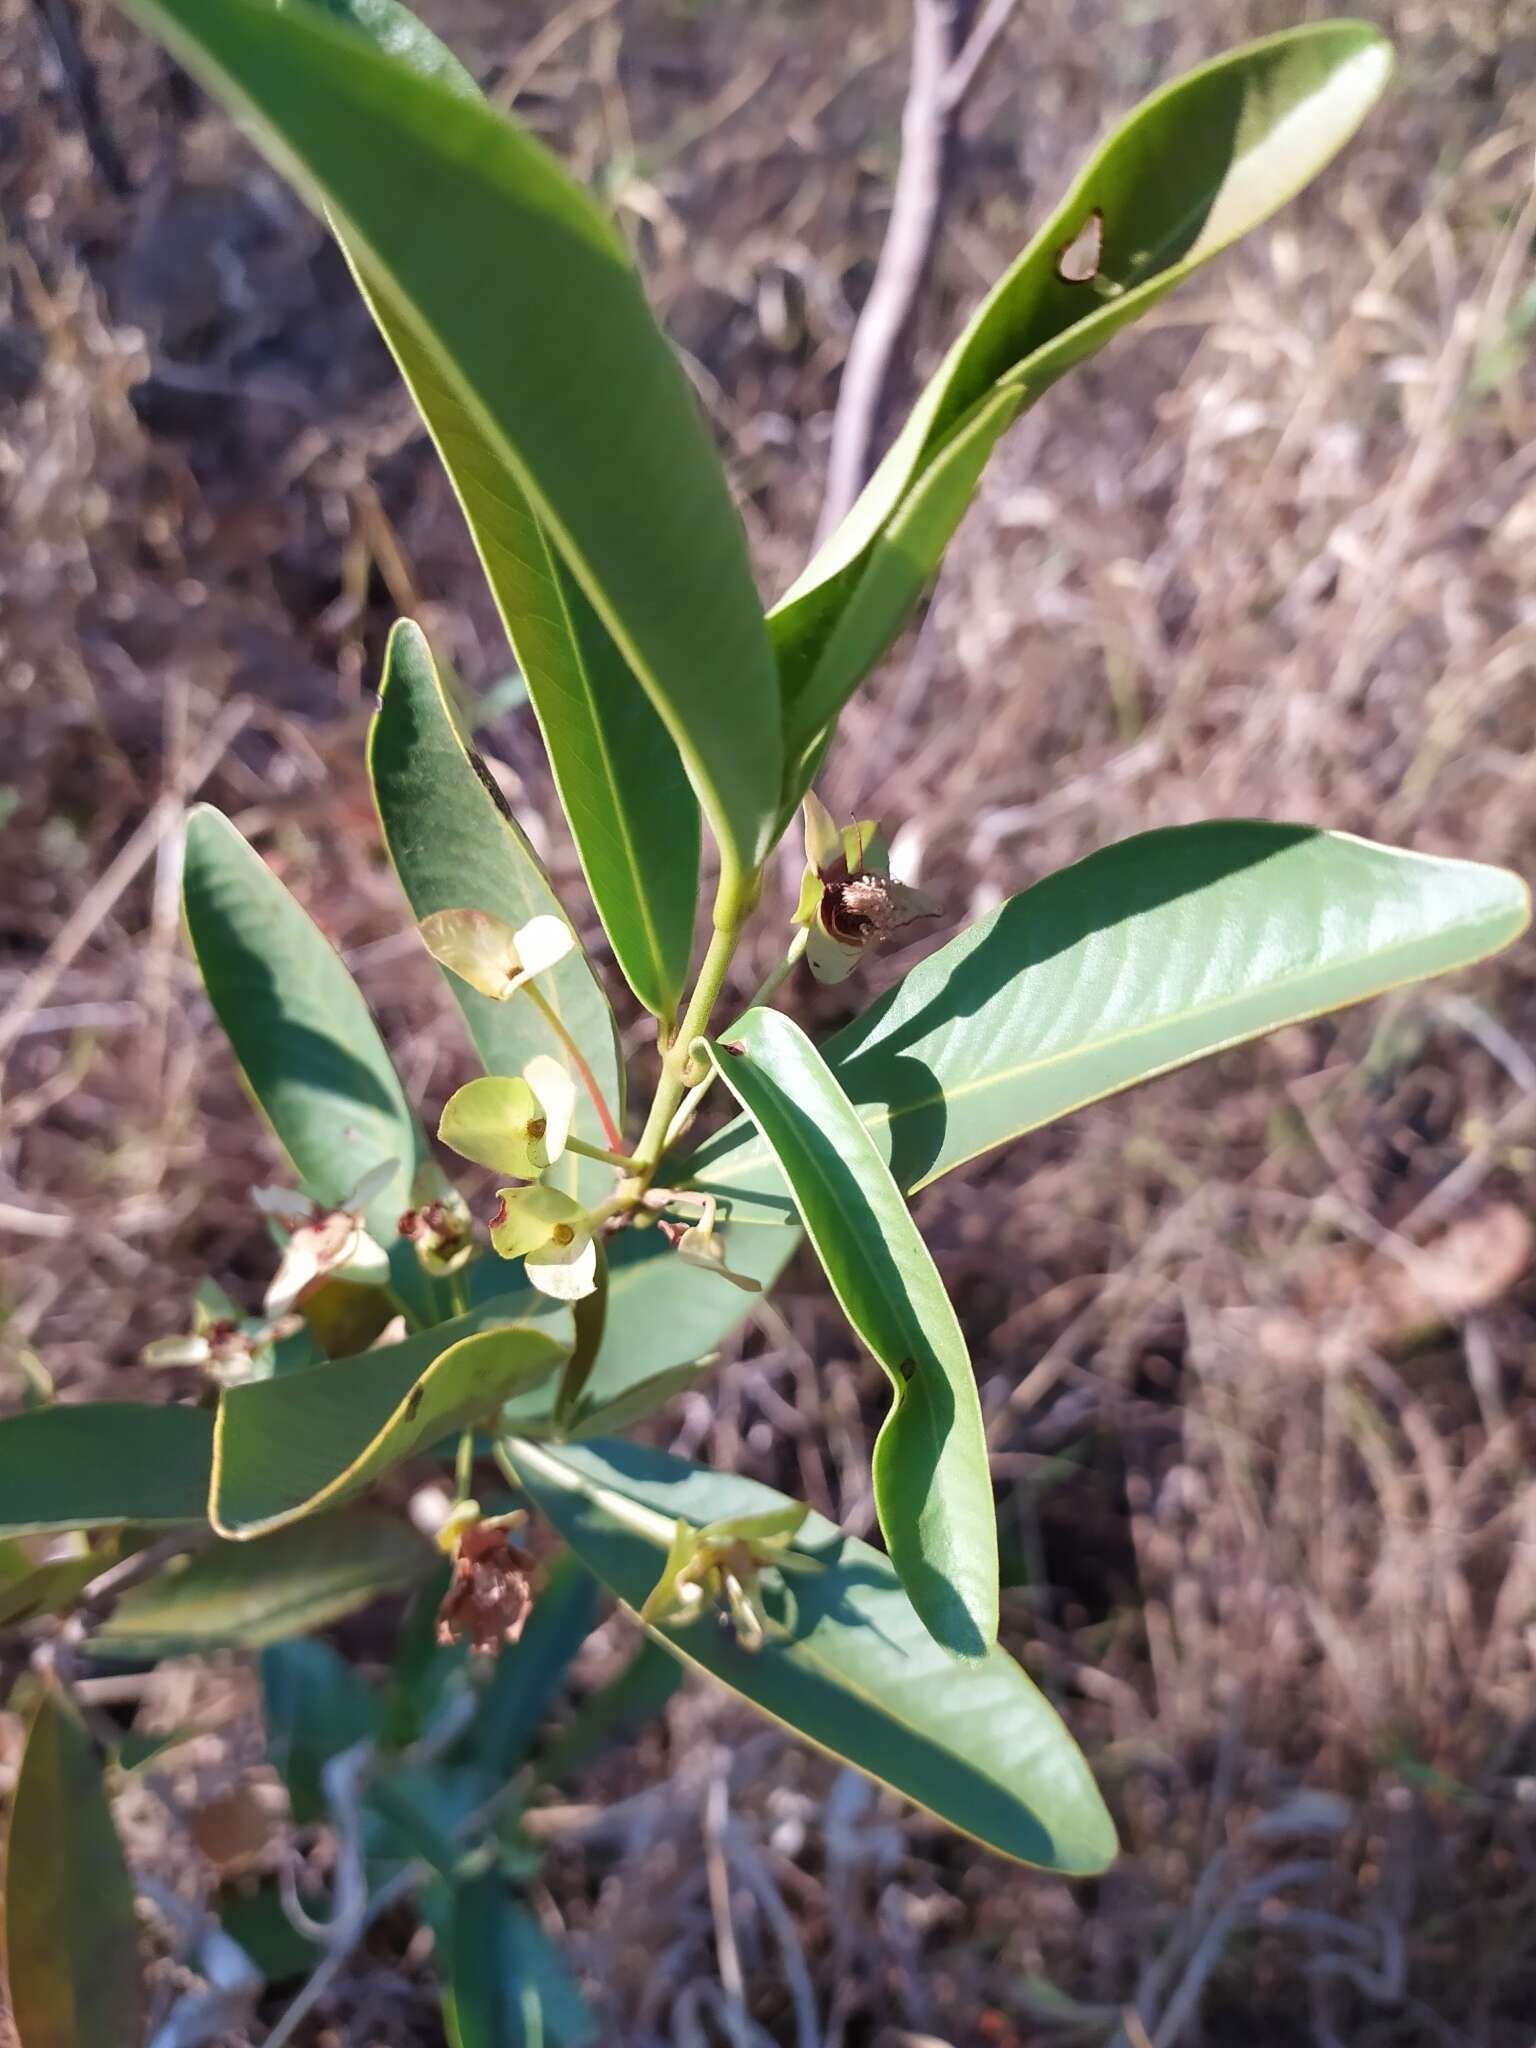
(1141, 958)
(857, 1674)
(933, 1488)
(631, 810)
(102, 1464)
(530, 1671)
(284, 1448)
(71, 1940)
(1192, 170)
(507, 1984)
(424, 1672)
(258, 1922)
(243, 1596)
(455, 846)
(49, 1588)
(316, 1705)
(305, 1039)
(560, 369)
(663, 1318)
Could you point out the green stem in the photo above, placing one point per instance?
(588, 1079)
(677, 1067)
(695, 1096)
(464, 1467)
(621, 1159)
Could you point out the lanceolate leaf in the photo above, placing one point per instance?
(287, 1447)
(856, 1673)
(530, 1671)
(455, 846)
(554, 356)
(317, 1704)
(71, 1940)
(507, 1984)
(621, 779)
(303, 1035)
(933, 1490)
(101, 1465)
(246, 1595)
(1143, 957)
(1188, 173)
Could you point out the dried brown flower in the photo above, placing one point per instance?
(491, 1593)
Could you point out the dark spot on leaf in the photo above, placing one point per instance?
(489, 783)
(414, 1403)
(906, 1368)
(1077, 261)
(734, 1047)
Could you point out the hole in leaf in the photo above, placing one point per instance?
(1078, 260)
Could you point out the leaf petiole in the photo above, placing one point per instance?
(584, 1073)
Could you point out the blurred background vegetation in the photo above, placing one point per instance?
(1256, 1340)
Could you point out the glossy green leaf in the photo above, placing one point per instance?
(1190, 171)
(71, 1939)
(456, 846)
(857, 1674)
(529, 1672)
(243, 1596)
(102, 1464)
(621, 779)
(287, 1447)
(933, 1489)
(554, 356)
(317, 1704)
(305, 1039)
(663, 1318)
(508, 1986)
(1143, 957)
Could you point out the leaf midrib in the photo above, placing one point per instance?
(884, 1116)
(621, 822)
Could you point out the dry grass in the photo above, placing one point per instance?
(1276, 1556)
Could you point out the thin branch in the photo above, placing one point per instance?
(974, 52)
(949, 52)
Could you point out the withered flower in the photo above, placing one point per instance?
(848, 899)
(490, 1596)
(442, 1231)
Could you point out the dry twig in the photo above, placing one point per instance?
(950, 46)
